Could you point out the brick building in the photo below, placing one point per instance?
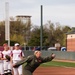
(71, 40)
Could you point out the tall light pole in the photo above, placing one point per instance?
(41, 28)
(7, 23)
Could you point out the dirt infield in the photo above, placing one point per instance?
(54, 71)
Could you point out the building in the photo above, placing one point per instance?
(24, 19)
(70, 41)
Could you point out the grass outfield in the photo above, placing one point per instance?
(59, 64)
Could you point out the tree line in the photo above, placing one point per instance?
(29, 34)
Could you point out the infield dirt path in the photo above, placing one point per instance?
(54, 71)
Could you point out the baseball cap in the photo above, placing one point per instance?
(16, 44)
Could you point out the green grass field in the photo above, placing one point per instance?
(58, 64)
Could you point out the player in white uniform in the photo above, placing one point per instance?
(17, 55)
(7, 64)
(1, 64)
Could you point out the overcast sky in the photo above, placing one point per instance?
(62, 11)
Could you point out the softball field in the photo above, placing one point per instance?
(54, 71)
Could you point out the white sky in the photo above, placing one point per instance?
(62, 11)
